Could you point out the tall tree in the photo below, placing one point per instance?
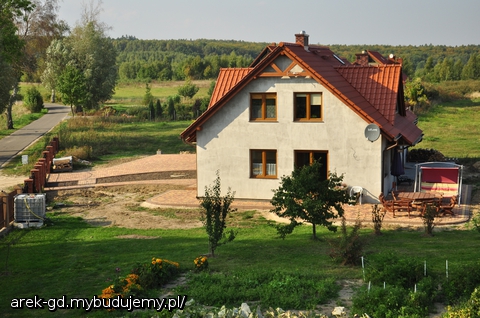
(36, 24)
(11, 49)
(304, 195)
(89, 50)
(38, 28)
(471, 70)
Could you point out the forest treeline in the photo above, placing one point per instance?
(202, 59)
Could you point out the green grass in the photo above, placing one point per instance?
(70, 257)
(109, 139)
(132, 93)
(452, 129)
(21, 118)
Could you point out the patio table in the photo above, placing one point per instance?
(417, 196)
(419, 199)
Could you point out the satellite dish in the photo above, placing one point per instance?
(372, 132)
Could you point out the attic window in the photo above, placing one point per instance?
(338, 59)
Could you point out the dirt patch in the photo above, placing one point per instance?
(8, 182)
(120, 206)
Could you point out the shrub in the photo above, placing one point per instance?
(425, 155)
(391, 301)
(289, 289)
(428, 218)
(389, 268)
(201, 263)
(462, 281)
(123, 287)
(467, 309)
(33, 100)
(156, 273)
(348, 249)
(377, 218)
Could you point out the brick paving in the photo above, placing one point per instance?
(176, 164)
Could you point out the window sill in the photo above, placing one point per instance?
(263, 120)
(264, 177)
(308, 120)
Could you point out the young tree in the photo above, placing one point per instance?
(304, 196)
(151, 110)
(71, 84)
(415, 93)
(148, 97)
(216, 208)
(188, 90)
(158, 109)
(171, 102)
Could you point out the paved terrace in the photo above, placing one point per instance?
(181, 169)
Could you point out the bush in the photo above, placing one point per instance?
(462, 281)
(348, 248)
(468, 309)
(389, 268)
(425, 155)
(33, 100)
(287, 289)
(156, 273)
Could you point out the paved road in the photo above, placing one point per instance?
(11, 145)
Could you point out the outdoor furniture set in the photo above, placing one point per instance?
(418, 202)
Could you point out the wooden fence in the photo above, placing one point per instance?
(34, 184)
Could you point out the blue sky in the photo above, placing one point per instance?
(388, 22)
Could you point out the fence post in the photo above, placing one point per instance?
(56, 141)
(11, 206)
(28, 183)
(36, 180)
(43, 164)
(3, 209)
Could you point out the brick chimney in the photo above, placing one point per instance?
(362, 59)
(302, 39)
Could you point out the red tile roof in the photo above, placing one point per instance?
(375, 93)
(379, 85)
(227, 79)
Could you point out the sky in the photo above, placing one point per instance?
(385, 22)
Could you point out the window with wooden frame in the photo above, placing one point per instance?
(308, 107)
(263, 163)
(263, 107)
(307, 157)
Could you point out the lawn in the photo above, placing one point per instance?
(70, 257)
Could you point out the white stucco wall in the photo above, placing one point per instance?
(224, 142)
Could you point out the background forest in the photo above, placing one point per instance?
(201, 59)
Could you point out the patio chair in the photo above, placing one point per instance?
(447, 208)
(401, 204)
(392, 205)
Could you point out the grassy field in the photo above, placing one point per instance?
(132, 93)
(453, 129)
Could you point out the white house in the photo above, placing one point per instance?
(298, 103)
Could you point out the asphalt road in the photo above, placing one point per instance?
(11, 145)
